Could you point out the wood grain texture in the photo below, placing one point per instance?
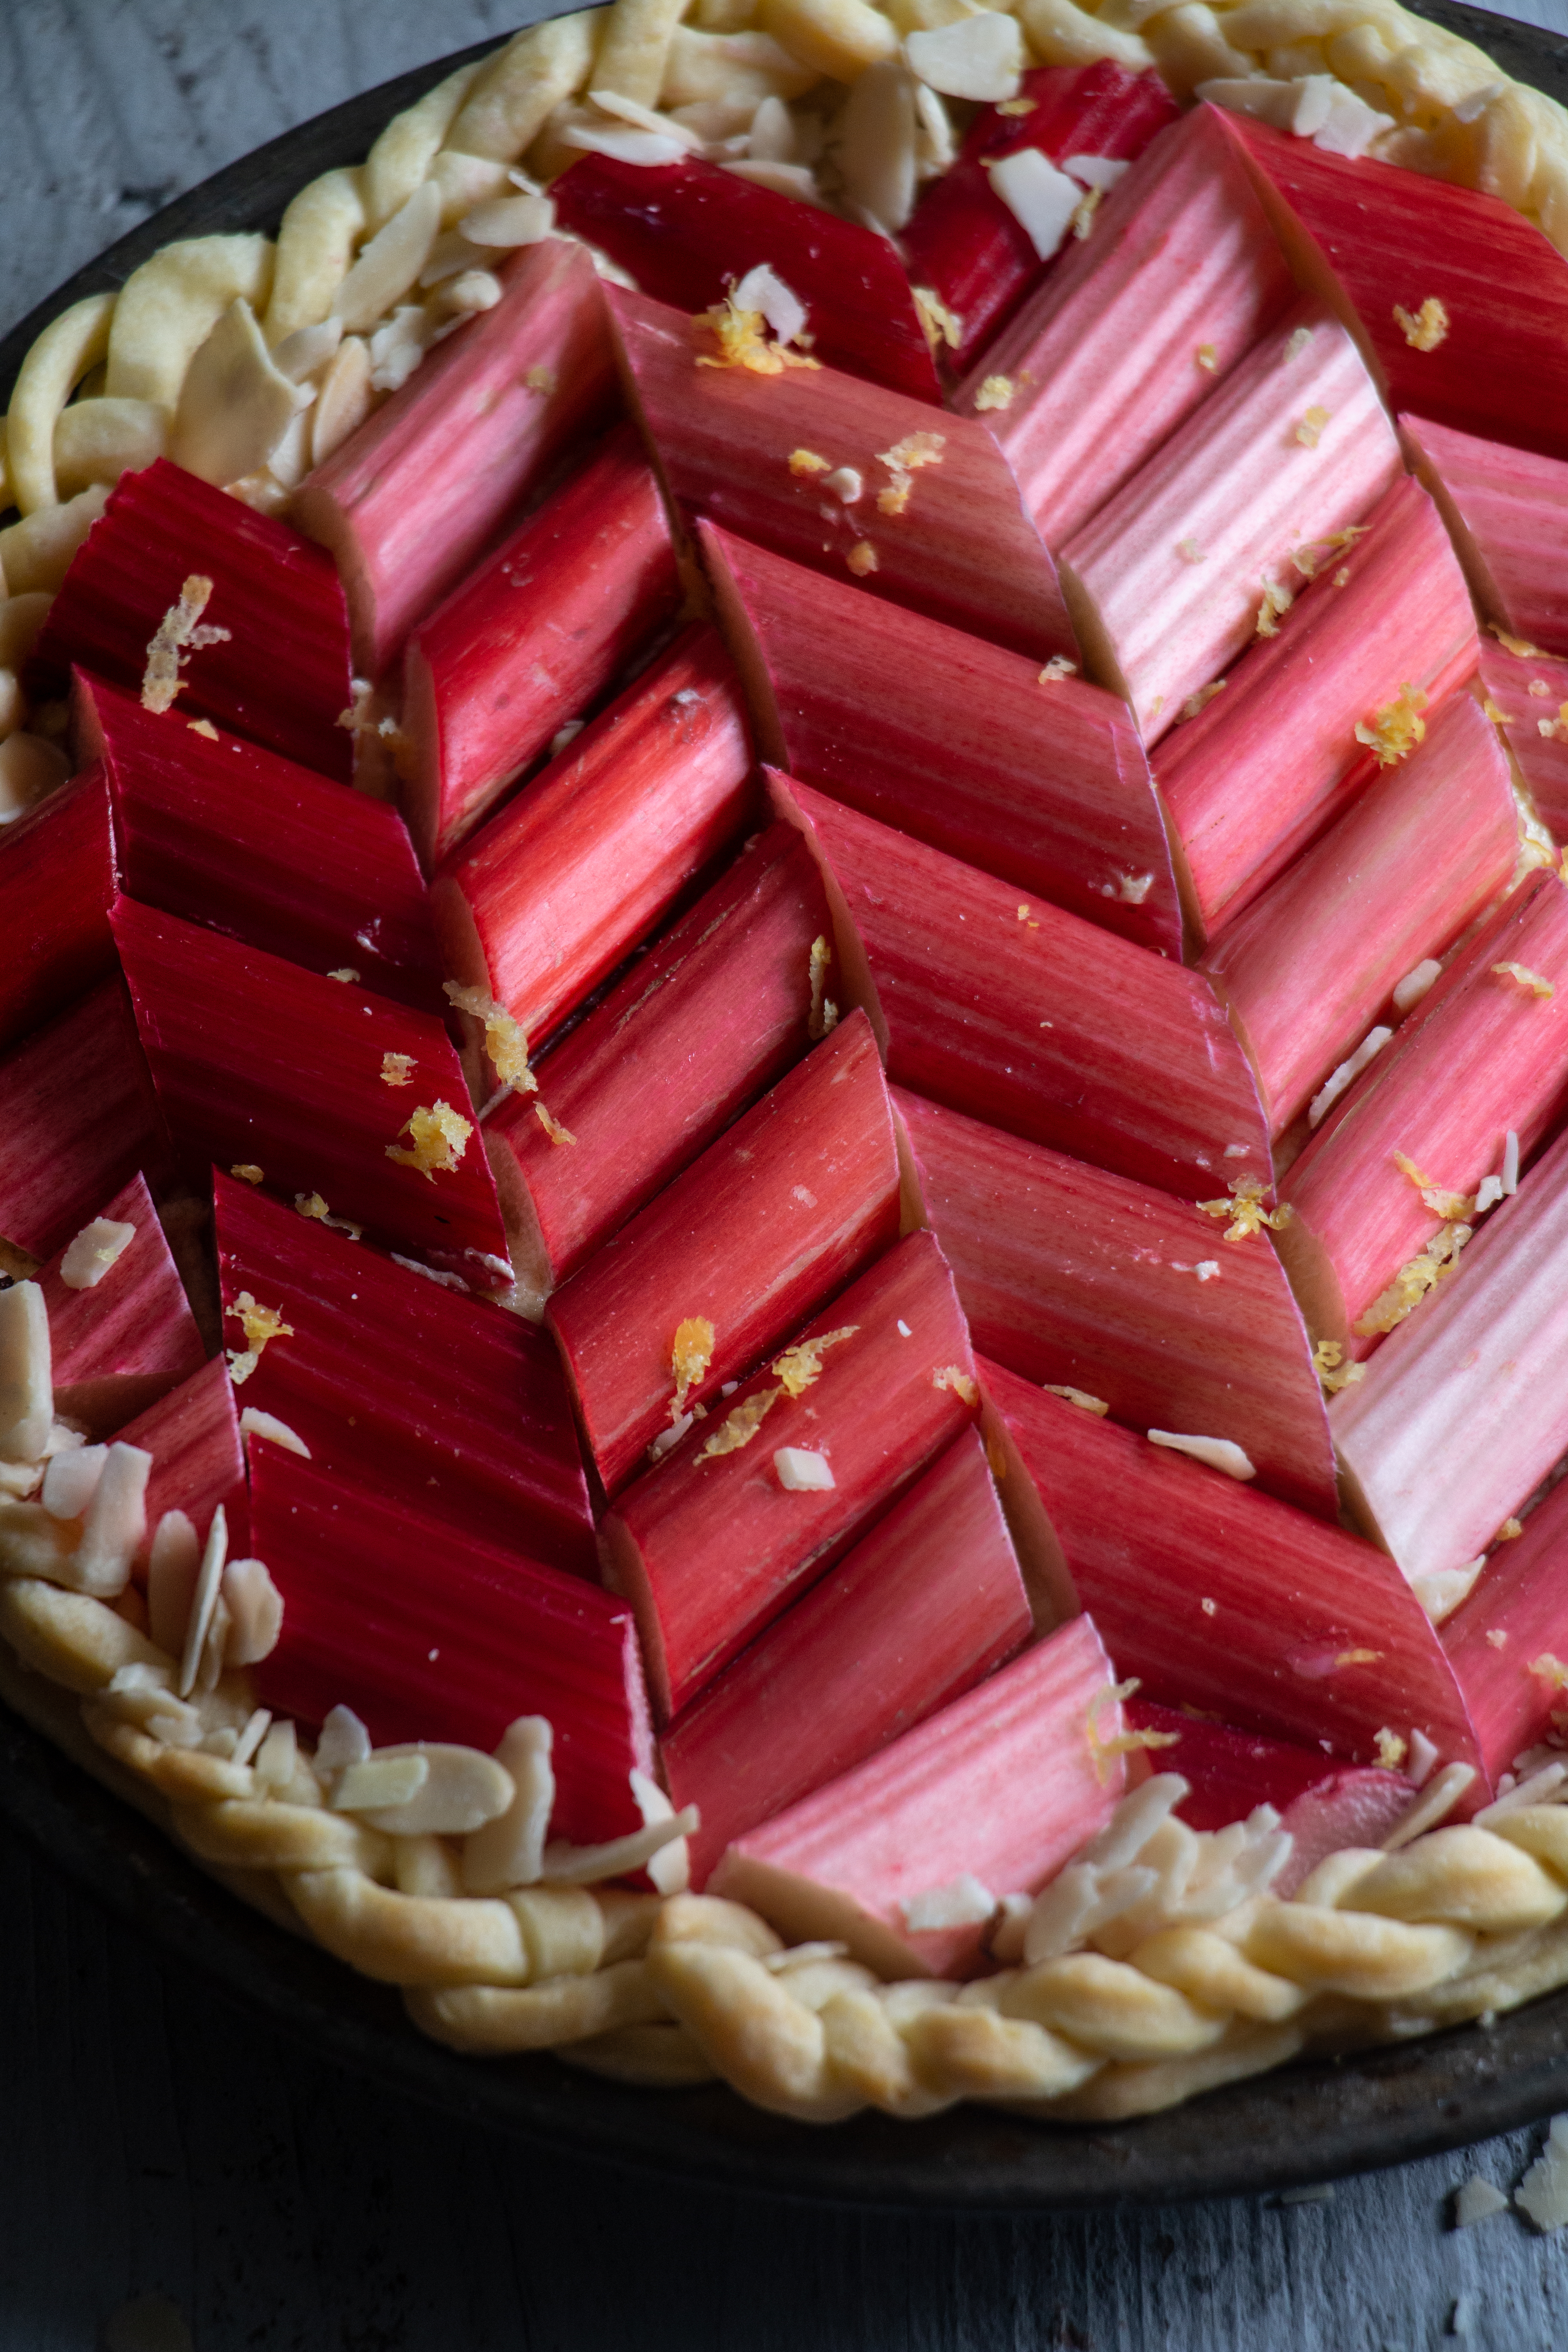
(156, 2138)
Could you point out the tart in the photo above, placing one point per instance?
(785, 1150)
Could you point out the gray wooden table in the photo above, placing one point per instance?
(156, 2143)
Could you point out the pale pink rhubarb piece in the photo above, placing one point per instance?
(1313, 963)
(1508, 511)
(1082, 1280)
(1273, 758)
(1509, 1637)
(925, 1606)
(1166, 582)
(1221, 1598)
(1000, 1788)
(1032, 776)
(1484, 1055)
(959, 547)
(1527, 696)
(122, 1340)
(1465, 1409)
(1134, 329)
(419, 493)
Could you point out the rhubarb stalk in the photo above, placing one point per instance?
(1082, 1280)
(120, 1328)
(198, 1460)
(1507, 512)
(530, 641)
(1508, 1639)
(1134, 330)
(752, 1238)
(1527, 696)
(712, 1545)
(847, 477)
(710, 1017)
(80, 1120)
(1036, 778)
(57, 880)
(1024, 1016)
(988, 1798)
(411, 501)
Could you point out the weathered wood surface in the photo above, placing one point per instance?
(154, 2139)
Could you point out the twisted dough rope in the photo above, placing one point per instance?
(1458, 1923)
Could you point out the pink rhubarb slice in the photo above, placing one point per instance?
(711, 1545)
(404, 1386)
(532, 641)
(1508, 511)
(1219, 1597)
(750, 1240)
(1269, 762)
(717, 1012)
(1508, 1640)
(1029, 1018)
(124, 1339)
(413, 498)
(1314, 961)
(1527, 696)
(426, 1635)
(1167, 582)
(847, 477)
(217, 830)
(924, 1607)
(1082, 1280)
(273, 611)
(1000, 1787)
(687, 232)
(57, 880)
(198, 1457)
(80, 1120)
(563, 882)
(1134, 330)
(261, 1066)
(1036, 778)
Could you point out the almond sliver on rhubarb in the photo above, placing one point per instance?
(959, 547)
(925, 1606)
(1464, 1408)
(1166, 582)
(1134, 330)
(1000, 1787)
(1077, 1279)
(1507, 512)
(1313, 963)
(1032, 776)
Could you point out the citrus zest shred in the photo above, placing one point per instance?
(1277, 599)
(1532, 980)
(1425, 328)
(440, 1137)
(1414, 1280)
(260, 1325)
(310, 1204)
(1081, 1398)
(861, 558)
(1358, 1658)
(743, 343)
(541, 379)
(1203, 697)
(1554, 729)
(1392, 1750)
(806, 461)
(691, 1353)
(1309, 559)
(1190, 551)
(506, 1042)
(248, 1172)
(1104, 1752)
(801, 1366)
(1397, 727)
(1309, 431)
(1551, 1670)
(740, 1424)
(1242, 1204)
(1208, 359)
(995, 392)
(954, 1377)
(938, 323)
(203, 727)
(1328, 1362)
(823, 1013)
(396, 1069)
(1520, 647)
(553, 1125)
(178, 634)
(1509, 1529)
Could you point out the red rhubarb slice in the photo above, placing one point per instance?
(1028, 1018)
(1508, 511)
(1167, 582)
(1000, 1788)
(695, 1032)
(1079, 1280)
(1322, 1806)
(342, 1101)
(558, 888)
(750, 1240)
(1465, 1410)
(1526, 695)
(531, 640)
(712, 1545)
(1507, 1639)
(413, 498)
(1219, 1597)
(1486, 1053)
(401, 1384)
(80, 1120)
(57, 880)
(429, 1636)
(1134, 330)
(1269, 762)
(924, 1607)
(275, 597)
(121, 1333)
(963, 244)
(1483, 342)
(1037, 779)
(221, 832)
(687, 232)
(847, 477)
(1313, 963)
(198, 1459)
